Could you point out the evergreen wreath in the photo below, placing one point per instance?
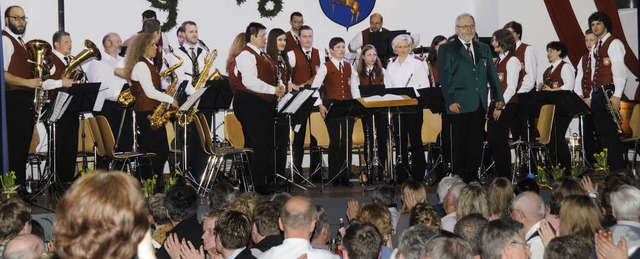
(239, 2)
(170, 6)
(262, 8)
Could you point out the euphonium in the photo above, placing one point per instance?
(164, 112)
(615, 113)
(74, 70)
(39, 51)
(204, 77)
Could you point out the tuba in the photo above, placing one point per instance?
(39, 51)
(164, 112)
(74, 70)
(204, 76)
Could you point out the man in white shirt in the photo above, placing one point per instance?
(193, 53)
(626, 209)
(528, 209)
(450, 206)
(362, 38)
(297, 220)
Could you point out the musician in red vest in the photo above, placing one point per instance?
(583, 89)
(362, 38)
(146, 87)
(305, 62)
(19, 90)
(255, 83)
(340, 83)
(149, 21)
(67, 125)
(293, 41)
(499, 119)
(608, 74)
(559, 76)
(526, 83)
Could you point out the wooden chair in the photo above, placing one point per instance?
(175, 152)
(126, 158)
(358, 145)
(35, 158)
(233, 131)
(319, 130)
(633, 143)
(431, 128)
(89, 142)
(545, 129)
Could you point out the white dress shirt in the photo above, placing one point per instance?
(536, 246)
(185, 71)
(292, 56)
(7, 47)
(51, 84)
(294, 248)
(616, 54)
(449, 222)
(567, 74)
(110, 84)
(410, 73)
(578, 80)
(246, 64)
(142, 74)
(513, 74)
(531, 67)
(322, 73)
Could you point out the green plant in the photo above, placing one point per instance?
(9, 186)
(557, 171)
(149, 186)
(601, 159)
(172, 180)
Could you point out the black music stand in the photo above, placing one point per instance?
(382, 42)
(346, 110)
(432, 99)
(218, 96)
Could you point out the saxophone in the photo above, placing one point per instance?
(615, 113)
(164, 112)
(208, 62)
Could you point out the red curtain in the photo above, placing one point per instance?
(610, 7)
(567, 27)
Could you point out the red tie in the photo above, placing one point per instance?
(469, 50)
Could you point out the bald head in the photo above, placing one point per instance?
(112, 43)
(375, 22)
(527, 208)
(24, 246)
(298, 217)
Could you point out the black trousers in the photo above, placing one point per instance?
(558, 146)
(113, 112)
(498, 138)
(340, 132)
(256, 116)
(20, 125)
(523, 125)
(411, 133)
(606, 128)
(197, 158)
(298, 147)
(379, 122)
(66, 147)
(589, 138)
(467, 137)
(281, 144)
(154, 141)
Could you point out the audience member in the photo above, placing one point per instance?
(526, 185)
(37, 229)
(322, 231)
(413, 241)
(24, 246)
(424, 215)
(265, 231)
(413, 192)
(500, 194)
(221, 194)
(361, 241)
(233, 233)
(15, 219)
(181, 202)
(612, 183)
(450, 206)
(473, 199)
(387, 196)
(102, 215)
(297, 220)
(528, 209)
(580, 215)
(606, 249)
(281, 198)
(447, 246)
(470, 229)
(570, 246)
(443, 189)
(158, 219)
(245, 203)
(380, 217)
(209, 220)
(626, 209)
(560, 188)
(503, 239)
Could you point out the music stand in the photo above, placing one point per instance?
(218, 96)
(433, 100)
(382, 42)
(184, 110)
(295, 109)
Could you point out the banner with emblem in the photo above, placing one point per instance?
(347, 12)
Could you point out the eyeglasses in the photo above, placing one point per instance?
(467, 27)
(19, 18)
(525, 245)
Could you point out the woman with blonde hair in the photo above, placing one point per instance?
(580, 216)
(413, 192)
(500, 195)
(561, 188)
(473, 199)
(380, 217)
(424, 215)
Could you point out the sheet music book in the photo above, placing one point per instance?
(386, 97)
(61, 102)
(102, 96)
(193, 99)
(285, 99)
(299, 99)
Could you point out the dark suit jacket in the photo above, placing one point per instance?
(189, 229)
(464, 82)
(245, 254)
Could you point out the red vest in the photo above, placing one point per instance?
(520, 55)
(603, 74)
(337, 86)
(501, 68)
(291, 42)
(59, 65)
(554, 80)
(18, 66)
(366, 80)
(157, 61)
(365, 35)
(266, 72)
(587, 84)
(434, 73)
(304, 69)
(144, 103)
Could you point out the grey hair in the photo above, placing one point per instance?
(625, 202)
(445, 184)
(413, 240)
(496, 235)
(532, 202)
(448, 247)
(462, 15)
(456, 189)
(401, 37)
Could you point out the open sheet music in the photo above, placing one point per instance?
(60, 105)
(295, 104)
(386, 97)
(193, 99)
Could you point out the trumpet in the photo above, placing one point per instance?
(615, 113)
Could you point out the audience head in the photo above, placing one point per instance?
(526, 184)
(246, 203)
(15, 219)
(561, 188)
(321, 232)
(580, 215)
(473, 199)
(91, 224)
(500, 194)
(181, 202)
(265, 220)
(503, 238)
(451, 199)
(281, 198)
(37, 229)
(418, 189)
(445, 184)
(470, 228)
(361, 241)
(613, 181)
(570, 246)
(221, 194)
(424, 215)
(298, 218)
(447, 246)
(156, 209)
(233, 230)
(413, 240)
(528, 209)
(24, 246)
(385, 195)
(208, 229)
(626, 203)
(379, 216)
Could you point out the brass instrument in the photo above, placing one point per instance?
(164, 111)
(204, 77)
(74, 70)
(126, 98)
(615, 113)
(39, 51)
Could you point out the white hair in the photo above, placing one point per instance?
(445, 184)
(401, 37)
(462, 16)
(456, 189)
(530, 203)
(626, 202)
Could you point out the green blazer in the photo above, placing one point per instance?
(464, 82)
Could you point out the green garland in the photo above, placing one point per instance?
(262, 8)
(170, 6)
(239, 2)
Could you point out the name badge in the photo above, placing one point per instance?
(606, 61)
(501, 76)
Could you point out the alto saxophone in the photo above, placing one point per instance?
(204, 77)
(615, 113)
(164, 112)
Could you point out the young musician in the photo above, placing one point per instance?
(340, 84)
(293, 36)
(583, 85)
